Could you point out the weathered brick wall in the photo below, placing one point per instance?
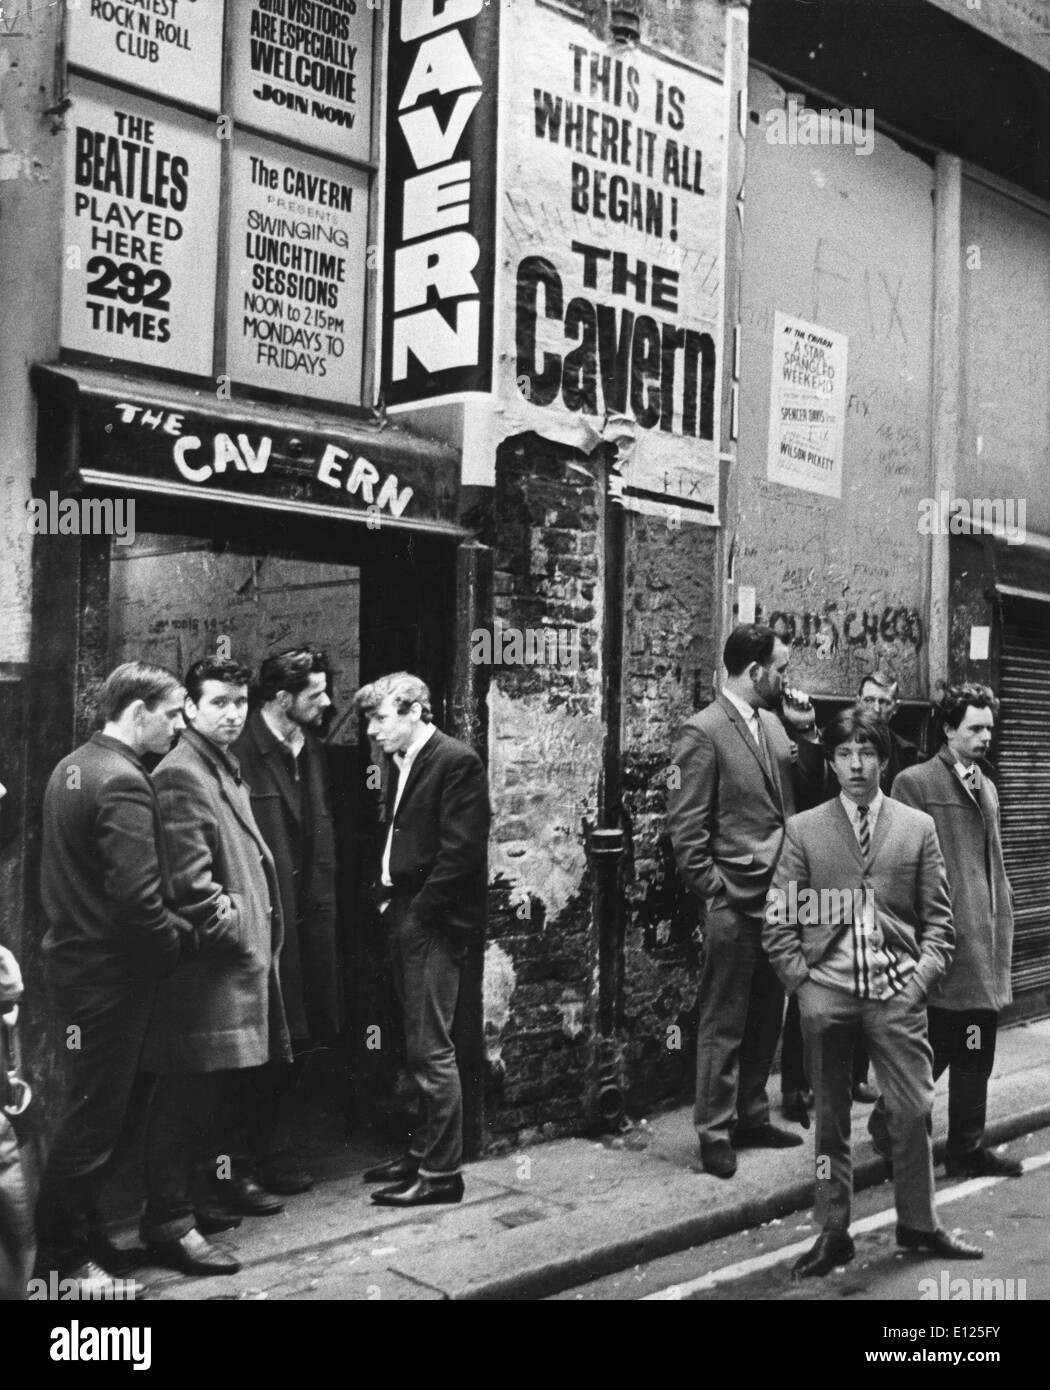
(545, 752)
(669, 664)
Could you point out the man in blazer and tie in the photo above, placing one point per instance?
(859, 926)
(735, 786)
(964, 1007)
(432, 889)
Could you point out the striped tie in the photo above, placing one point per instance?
(864, 835)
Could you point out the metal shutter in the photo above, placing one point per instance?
(1024, 783)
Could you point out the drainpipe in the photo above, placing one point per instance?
(606, 840)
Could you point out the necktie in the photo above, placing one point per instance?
(864, 832)
(971, 778)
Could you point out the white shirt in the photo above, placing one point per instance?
(404, 762)
(747, 712)
(963, 774)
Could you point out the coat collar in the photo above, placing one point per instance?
(218, 759)
(271, 748)
(232, 789)
(118, 746)
(962, 792)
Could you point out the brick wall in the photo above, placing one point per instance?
(669, 663)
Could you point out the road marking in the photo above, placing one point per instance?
(742, 1268)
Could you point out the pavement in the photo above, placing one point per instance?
(552, 1216)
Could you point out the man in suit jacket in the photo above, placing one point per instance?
(283, 763)
(222, 1013)
(725, 814)
(113, 933)
(964, 1007)
(859, 925)
(432, 889)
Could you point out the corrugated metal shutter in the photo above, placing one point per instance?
(1024, 783)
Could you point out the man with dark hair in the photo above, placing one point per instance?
(735, 784)
(964, 1007)
(114, 931)
(859, 926)
(879, 693)
(282, 760)
(431, 888)
(222, 1013)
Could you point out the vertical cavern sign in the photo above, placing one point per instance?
(440, 223)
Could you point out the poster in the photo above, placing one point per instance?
(298, 253)
(440, 226)
(303, 69)
(142, 193)
(807, 406)
(172, 48)
(611, 269)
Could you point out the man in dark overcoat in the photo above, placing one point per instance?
(431, 888)
(113, 933)
(221, 1014)
(964, 1007)
(282, 761)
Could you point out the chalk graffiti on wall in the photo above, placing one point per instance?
(833, 628)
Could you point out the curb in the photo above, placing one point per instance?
(612, 1258)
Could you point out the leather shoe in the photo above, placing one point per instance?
(401, 1169)
(243, 1194)
(94, 1282)
(982, 1163)
(421, 1192)
(718, 1159)
(112, 1258)
(832, 1248)
(212, 1220)
(938, 1242)
(287, 1180)
(865, 1093)
(793, 1107)
(192, 1254)
(766, 1136)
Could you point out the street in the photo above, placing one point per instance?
(1007, 1216)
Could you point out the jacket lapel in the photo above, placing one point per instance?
(733, 715)
(270, 748)
(846, 833)
(420, 760)
(235, 794)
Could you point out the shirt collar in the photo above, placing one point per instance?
(874, 806)
(405, 760)
(963, 772)
(747, 712)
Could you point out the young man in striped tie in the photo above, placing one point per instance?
(859, 924)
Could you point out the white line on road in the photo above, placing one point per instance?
(742, 1268)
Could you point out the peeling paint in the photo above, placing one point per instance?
(537, 832)
(498, 984)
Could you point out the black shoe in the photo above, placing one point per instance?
(793, 1107)
(718, 1159)
(766, 1136)
(286, 1179)
(982, 1163)
(833, 1248)
(112, 1258)
(866, 1094)
(93, 1282)
(421, 1192)
(192, 1254)
(400, 1169)
(212, 1220)
(243, 1194)
(938, 1242)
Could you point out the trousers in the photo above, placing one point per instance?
(740, 1003)
(894, 1031)
(427, 967)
